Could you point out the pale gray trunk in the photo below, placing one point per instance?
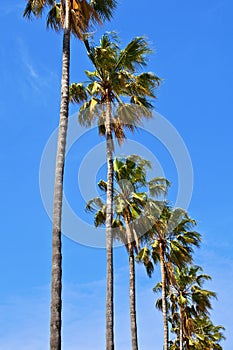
(109, 239)
(164, 302)
(132, 294)
(56, 285)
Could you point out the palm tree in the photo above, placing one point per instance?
(187, 301)
(114, 77)
(171, 240)
(206, 335)
(130, 199)
(74, 16)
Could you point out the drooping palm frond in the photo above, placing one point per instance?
(54, 17)
(83, 16)
(134, 55)
(36, 7)
(78, 93)
(104, 8)
(158, 186)
(144, 256)
(94, 204)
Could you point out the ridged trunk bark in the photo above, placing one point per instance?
(181, 330)
(132, 294)
(56, 284)
(164, 303)
(109, 239)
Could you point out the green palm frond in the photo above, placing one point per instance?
(78, 93)
(28, 11)
(36, 7)
(158, 186)
(158, 287)
(148, 81)
(82, 18)
(143, 106)
(103, 185)
(93, 76)
(158, 304)
(100, 217)
(94, 204)
(144, 257)
(104, 8)
(90, 112)
(134, 55)
(54, 17)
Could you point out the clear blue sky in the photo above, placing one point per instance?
(194, 55)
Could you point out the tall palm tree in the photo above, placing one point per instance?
(187, 300)
(129, 200)
(171, 241)
(114, 77)
(74, 16)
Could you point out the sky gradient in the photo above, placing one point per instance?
(193, 54)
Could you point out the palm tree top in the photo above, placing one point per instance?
(83, 14)
(115, 79)
(131, 193)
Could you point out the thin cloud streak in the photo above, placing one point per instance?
(38, 78)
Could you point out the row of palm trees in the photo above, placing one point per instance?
(117, 97)
(140, 218)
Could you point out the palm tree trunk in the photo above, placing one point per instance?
(56, 287)
(132, 294)
(181, 329)
(164, 303)
(109, 239)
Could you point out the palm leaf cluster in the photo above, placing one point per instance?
(132, 193)
(115, 80)
(83, 14)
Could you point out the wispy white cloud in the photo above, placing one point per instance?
(37, 77)
(26, 318)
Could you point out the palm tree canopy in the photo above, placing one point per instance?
(115, 79)
(130, 195)
(202, 335)
(84, 14)
(187, 286)
(186, 296)
(206, 334)
(173, 230)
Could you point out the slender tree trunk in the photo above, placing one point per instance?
(181, 329)
(56, 287)
(109, 239)
(164, 302)
(132, 294)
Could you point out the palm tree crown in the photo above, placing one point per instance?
(83, 14)
(132, 193)
(114, 80)
(187, 301)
